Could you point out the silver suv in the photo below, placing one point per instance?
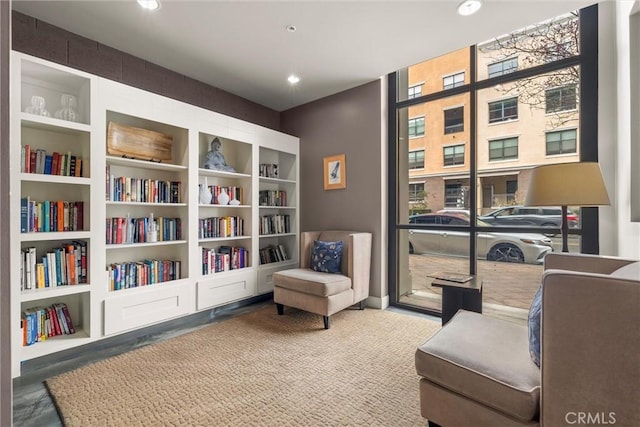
(529, 216)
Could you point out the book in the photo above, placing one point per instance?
(451, 277)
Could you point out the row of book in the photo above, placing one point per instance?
(133, 274)
(40, 161)
(268, 170)
(227, 226)
(272, 198)
(234, 193)
(275, 224)
(50, 215)
(127, 230)
(143, 190)
(273, 253)
(40, 323)
(66, 265)
(225, 258)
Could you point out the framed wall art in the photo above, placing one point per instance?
(335, 173)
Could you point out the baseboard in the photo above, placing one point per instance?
(378, 302)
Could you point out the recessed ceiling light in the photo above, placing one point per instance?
(293, 79)
(149, 4)
(469, 7)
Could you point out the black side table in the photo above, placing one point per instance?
(455, 295)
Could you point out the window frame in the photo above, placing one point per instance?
(415, 161)
(503, 118)
(415, 200)
(455, 128)
(560, 108)
(454, 83)
(561, 141)
(424, 130)
(502, 71)
(503, 140)
(586, 60)
(414, 95)
(454, 155)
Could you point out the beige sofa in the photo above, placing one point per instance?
(477, 370)
(326, 293)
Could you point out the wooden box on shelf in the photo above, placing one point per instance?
(138, 143)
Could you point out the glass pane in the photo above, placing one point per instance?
(423, 253)
(434, 75)
(529, 47)
(434, 173)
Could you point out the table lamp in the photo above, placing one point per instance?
(567, 184)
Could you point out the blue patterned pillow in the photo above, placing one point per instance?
(326, 256)
(535, 317)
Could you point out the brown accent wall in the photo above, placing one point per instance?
(55, 44)
(6, 401)
(350, 123)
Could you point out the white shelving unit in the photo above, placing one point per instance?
(96, 308)
(49, 138)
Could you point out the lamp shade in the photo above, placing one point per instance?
(567, 184)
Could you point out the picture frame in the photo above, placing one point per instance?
(335, 172)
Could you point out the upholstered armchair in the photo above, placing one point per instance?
(321, 292)
(478, 371)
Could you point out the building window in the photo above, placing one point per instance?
(454, 155)
(416, 127)
(453, 80)
(561, 99)
(415, 91)
(561, 142)
(454, 120)
(416, 159)
(500, 111)
(503, 149)
(503, 67)
(416, 192)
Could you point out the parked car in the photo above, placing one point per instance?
(527, 248)
(530, 216)
(463, 212)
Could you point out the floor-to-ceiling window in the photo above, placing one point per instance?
(466, 129)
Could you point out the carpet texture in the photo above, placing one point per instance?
(259, 369)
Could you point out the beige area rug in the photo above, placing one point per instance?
(259, 369)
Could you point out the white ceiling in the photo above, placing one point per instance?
(244, 48)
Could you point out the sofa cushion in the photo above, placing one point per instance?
(630, 271)
(308, 281)
(486, 360)
(534, 322)
(326, 256)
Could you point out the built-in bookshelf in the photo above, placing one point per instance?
(51, 212)
(116, 243)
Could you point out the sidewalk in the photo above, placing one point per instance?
(507, 288)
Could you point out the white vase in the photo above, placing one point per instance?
(223, 197)
(205, 193)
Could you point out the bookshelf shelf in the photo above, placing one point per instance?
(54, 235)
(179, 205)
(224, 239)
(55, 344)
(146, 244)
(276, 180)
(222, 174)
(53, 124)
(54, 179)
(277, 235)
(223, 206)
(144, 164)
(56, 291)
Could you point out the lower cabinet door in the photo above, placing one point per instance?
(148, 306)
(221, 288)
